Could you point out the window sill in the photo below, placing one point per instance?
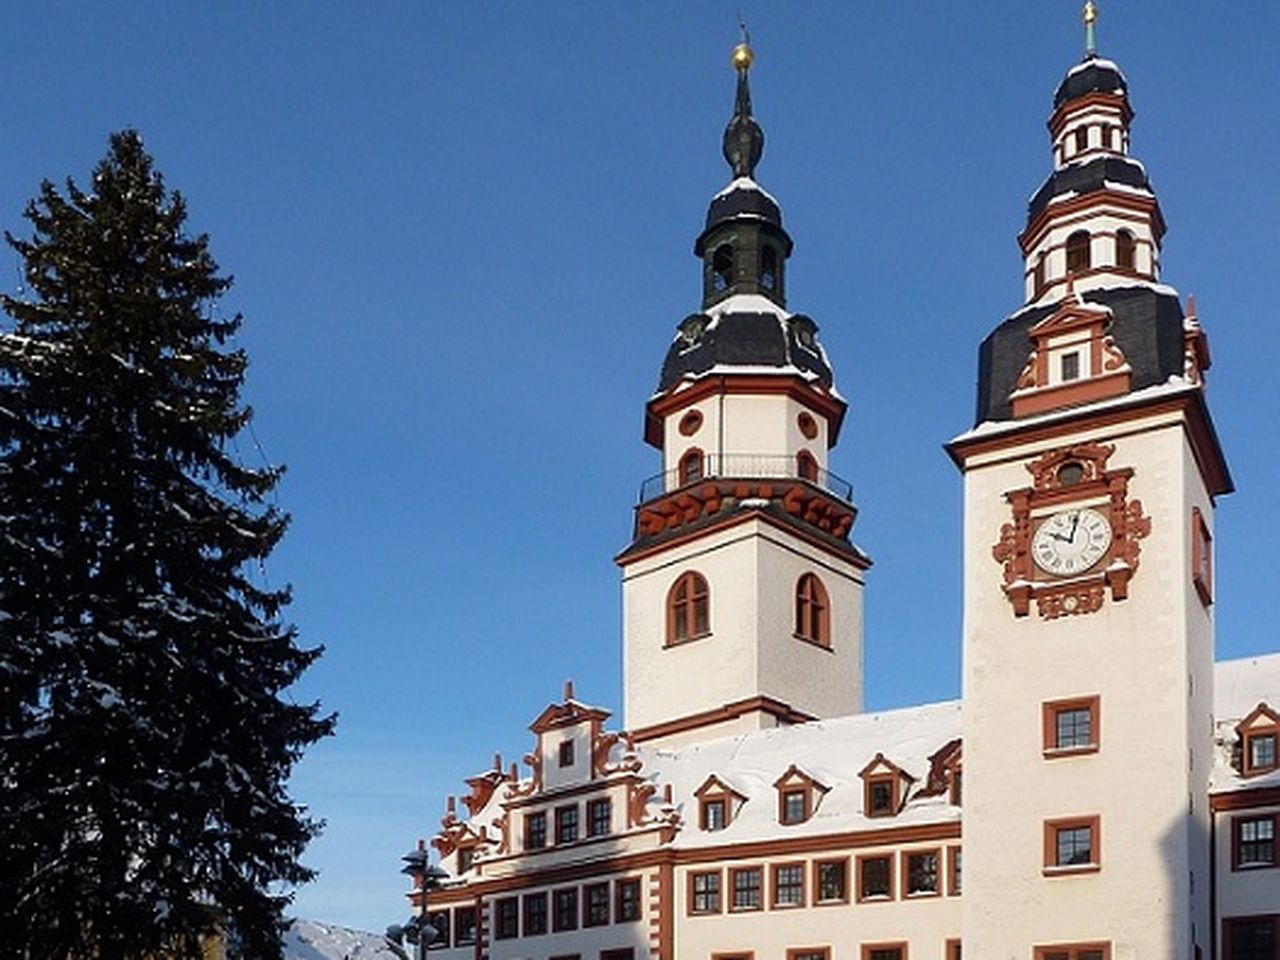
(1246, 867)
(809, 641)
(1057, 753)
(831, 903)
(686, 640)
(922, 894)
(877, 898)
(786, 906)
(745, 909)
(1072, 870)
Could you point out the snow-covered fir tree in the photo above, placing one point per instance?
(145, 732)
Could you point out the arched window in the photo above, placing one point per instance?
(1126, 249)
(722, 267)
(1039, 274)
(1108, 136)
(806, 466)
(1078, 258)
(691, 466)
(769, 268)
(813, 614)
(1082, 139)
(688, 608)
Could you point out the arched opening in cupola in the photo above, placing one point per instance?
(769, 268)
(722, 267)
(1126, 250)
(1078, 257)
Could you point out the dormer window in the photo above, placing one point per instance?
(466, 858)
(717, 803)
(566, 753)
(1070, 366)
(1078, 254)
(1126, 248)
(769, 268)
(1259, 732)
(722, 267)
(798, 796)
(884, 787)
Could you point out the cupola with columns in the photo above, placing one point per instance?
(745, 506)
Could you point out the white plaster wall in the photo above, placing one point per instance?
(707, 438)
(554, 775)
(1064, 147)
(751, 571)
(1102, 225)
(1243, 893)
(925, 923)
(1136, 655)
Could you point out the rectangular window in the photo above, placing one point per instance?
(795, 806)
(1255, 842)
(466, 857)
(597, 906)
(566, 753)
(704, 892)
(880, 797)
(1071, 726)
(535, 831)
(567, 824)
(953, 950)
(809, 953)
(622, 953)
(746, 888)
(1071, 845)
(1201, 557)
(599, 817)
(564, 913)
(438, 920)
(507, 918)
(921, 869)
(1262, 751)
(1075, 951)
(535, 914)
(884, 951)
(1252, 938)
(788, 885)
(875, 878)
(464, 926)
(956, 865)
(1070, 367)
(713, 815)
(831, 881)
(627, 901)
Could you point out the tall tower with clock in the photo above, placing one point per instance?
(742, 591)
(1090, 478)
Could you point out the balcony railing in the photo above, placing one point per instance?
(745, 466)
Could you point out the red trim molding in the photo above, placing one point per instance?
(722, 714)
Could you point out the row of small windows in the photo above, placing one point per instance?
(568, 826)
(689, 609)
(878, 877)
(722, 259)
(1080, 255)
(1109, 137)
(535, 914)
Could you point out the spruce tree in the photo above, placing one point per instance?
(146, 733)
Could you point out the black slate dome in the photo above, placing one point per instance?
(745, 200)
(1093, 76)
(741, 338)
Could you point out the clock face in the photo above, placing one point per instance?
(1071, 541)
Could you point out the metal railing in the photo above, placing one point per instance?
(745, 466)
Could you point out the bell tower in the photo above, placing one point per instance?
(742, 591)
(1090, 479)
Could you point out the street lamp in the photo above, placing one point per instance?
(429, 876)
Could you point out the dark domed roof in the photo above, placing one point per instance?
(1092, 76)
(743, 199)
(1081, 178)
(744, 339)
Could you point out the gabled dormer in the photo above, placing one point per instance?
(1073, 360)
(946, 769)
(566, 738)
(1259, 734)
(718, 804)
(884, 787)
(799, 796)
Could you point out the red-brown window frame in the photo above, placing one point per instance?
(1249, 733)
(1079, 247)
(895, 799)
(904, 871)
(690, 423)
(720, 893)
(497, 917)
(1051, 828)
(951, 949)
(586, 904)
(1072, 950)
(731, 888)
(1228, 924)
(567, 753)
(817, 884)
(592, 807)
(618, 886)
(1201, 557)
(794, 953)
(774, 869)
(696, 589)
(955, 871)
(559, 825)
(1049, 725)
(861, 860)
(899, 945)
(1126, 248)
(812, 611)
(807, 807)
(1236, 823)
(692, 466)
(807, 466)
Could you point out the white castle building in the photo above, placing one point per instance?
(1103, 791)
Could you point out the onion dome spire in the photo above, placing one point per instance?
(743, 138)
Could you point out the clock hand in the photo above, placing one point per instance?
(1074, 524)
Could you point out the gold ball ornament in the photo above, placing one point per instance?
(742, 57)
(1090, 12)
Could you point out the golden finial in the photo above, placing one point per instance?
(742, 57)
(1090, 12)
(1090, 35)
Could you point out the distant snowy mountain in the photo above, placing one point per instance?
(309, 940)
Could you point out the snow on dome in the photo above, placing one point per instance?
(1101, 62)
(745, 183)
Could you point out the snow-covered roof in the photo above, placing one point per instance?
(1238, 687)
(745, 183)
(309, 940)
(832, 752)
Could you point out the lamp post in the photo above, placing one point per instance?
(428, 876)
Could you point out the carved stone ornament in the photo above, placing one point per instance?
(1069, 478)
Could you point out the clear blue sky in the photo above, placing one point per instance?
(462, 238)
